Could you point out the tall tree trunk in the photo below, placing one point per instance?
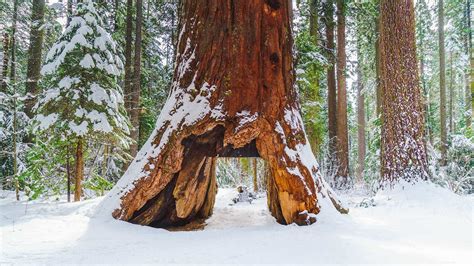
(79, 169)
(360, 116)
(14, 144)
(14, 85)
(314, 90)
(331, 78)
(69, 11)
(233, 95)
(403, 147)
(471, 53)
(378, 88)
(255, 175)
(135, 101)
(127, 84)
(341, 132)
(442, 82)
(13, 45)
(467, 76)
(451, 94)
(34, 54)
(68, 172)
(6, 49)
(313, 19)
(116, 15)
(421, 49)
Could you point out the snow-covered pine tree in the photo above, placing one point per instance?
(83, 101)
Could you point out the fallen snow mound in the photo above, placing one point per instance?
(408, 224)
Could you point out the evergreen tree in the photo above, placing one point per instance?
(83, 100)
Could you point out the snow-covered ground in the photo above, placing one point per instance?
(421, 224)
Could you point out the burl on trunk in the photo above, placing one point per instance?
(233, 95)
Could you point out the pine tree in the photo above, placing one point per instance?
(83, 100)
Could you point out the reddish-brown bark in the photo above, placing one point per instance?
(403, 147)
(331, 76)
(341, 131)
(232, 95)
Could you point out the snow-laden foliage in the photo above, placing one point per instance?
(458, 174)
(81, 71)
(13, 124)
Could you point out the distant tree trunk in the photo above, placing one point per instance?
(471, 71)
(68, 172)
(6, 49)
(135, 101)
(14, 85)
(128, 88)
(314, 91)
(331, 77)
(378, 88)
(341, 132)
(116, 15)
(403, 147)
(232, 96)
(79, 169)
(13, 44)
(69, 12)
(313, 19)
(467, 74)
(421, 49)
(255, 176)
(360, 117)
(16, 181)
(442, 82)
(34, 54)
(451, 94)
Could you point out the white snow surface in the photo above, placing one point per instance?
(418, 224)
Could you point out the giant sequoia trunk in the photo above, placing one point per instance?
(232, 95)
(403, 147)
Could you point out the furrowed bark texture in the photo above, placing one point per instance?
(232, 96)
(403, 150)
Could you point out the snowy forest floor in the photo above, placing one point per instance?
(421, 224)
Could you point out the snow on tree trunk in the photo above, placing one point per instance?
(442, 83)
(403, 147)
(34, 54)
(3, 81)
(232, 95)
